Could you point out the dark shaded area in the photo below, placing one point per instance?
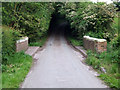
(59, 25)
(117, 4)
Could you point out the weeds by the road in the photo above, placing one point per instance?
(15, 66)
(15, 70)
(40, 42)
(108, 60)
(75, 42)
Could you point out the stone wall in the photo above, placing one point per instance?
(22, 44)
(94, 44)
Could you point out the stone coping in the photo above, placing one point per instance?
(94, 39)
(22, 39)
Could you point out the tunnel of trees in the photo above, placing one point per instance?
(36, 20)
(33, 19)
(40, 19)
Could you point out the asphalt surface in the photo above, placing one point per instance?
(59, 66)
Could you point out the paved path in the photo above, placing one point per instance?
(59, 66)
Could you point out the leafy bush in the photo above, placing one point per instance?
(39, 42)
(30, 18)
(86, 17)
(115, 42)
(97, 20)
(75, 42)
(0, 55)
(8, 41)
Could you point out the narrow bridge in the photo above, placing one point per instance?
(59, 66)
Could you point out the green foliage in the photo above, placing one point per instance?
(115, 42)
(93, 34)
(9, 37)
(99, 17)
(39, 42)
(85, 17)
(98, 20)
(75, 42)
(117, 5)
(27, 19)
(0, 56)
(110, 61)
(115, 23)
(15, 70)
(112, 81)
(30, 18)
(92, 60)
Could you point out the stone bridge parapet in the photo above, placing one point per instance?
(22, 44)
(95, 44)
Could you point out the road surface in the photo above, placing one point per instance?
(59, 66)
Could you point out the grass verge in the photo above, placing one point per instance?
(109, 60)
(15, 70)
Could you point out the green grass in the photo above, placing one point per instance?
(40, 42)
(75, 42)
(109, 60)
(110, 80)
(15, 70)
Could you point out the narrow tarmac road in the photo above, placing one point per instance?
(59, 66)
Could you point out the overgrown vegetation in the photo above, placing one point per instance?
(99, 20)
(14, 64)
(90, 19)
(22, 19)
(9, 38)
(110, 61)
(30, 18)
(15, 70)
(75, 41)
(40, 42)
